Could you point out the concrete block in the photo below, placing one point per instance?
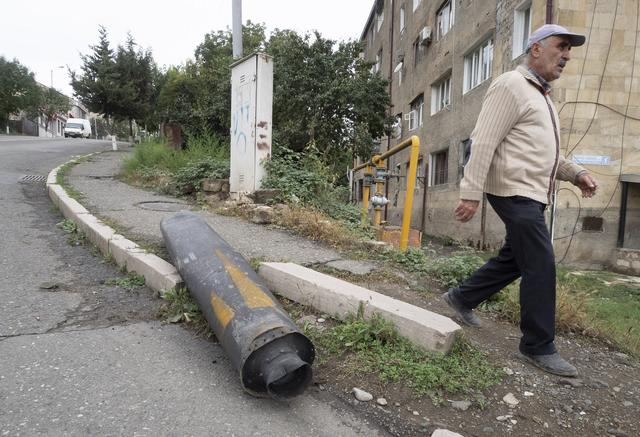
(120, 248)
(156, 271)
(391, 234)
(96, 231)
(330, 295)
(53, 176)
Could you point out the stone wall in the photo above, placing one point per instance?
(599, 86)
(626, 261)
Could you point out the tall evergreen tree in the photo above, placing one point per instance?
(97, 86)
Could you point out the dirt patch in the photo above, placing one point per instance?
(605, 398)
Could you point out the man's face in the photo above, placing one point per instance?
(550, 57)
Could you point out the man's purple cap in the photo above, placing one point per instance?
(548, 30)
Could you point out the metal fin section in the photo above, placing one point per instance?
(270, 353)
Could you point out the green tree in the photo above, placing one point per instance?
(52, 102)
(134, 73)
(326, 97)
(118, 85)
(96, 87)
(198, 95)
(18, 89)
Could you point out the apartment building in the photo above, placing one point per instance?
(440, 57)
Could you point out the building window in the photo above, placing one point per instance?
(416, 3)
(445, 18)
(379, 20)
(441, 95)
(401, 19)
(378, 65)
(415, 116)
(438, 163)
(419, 51)
(521, 28)
(478, 64)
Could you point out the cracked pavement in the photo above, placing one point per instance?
(79, 356)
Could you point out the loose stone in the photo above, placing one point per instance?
(510, 400)
(571, 382)
(461, 405)
(381, 401)
(362, 395)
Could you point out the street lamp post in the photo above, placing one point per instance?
(58, 66)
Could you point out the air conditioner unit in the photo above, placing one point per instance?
(425, 35)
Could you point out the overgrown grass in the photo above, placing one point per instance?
(154, 164)
(597, 304)
(129, 282)
(75, 237)
(375, 347)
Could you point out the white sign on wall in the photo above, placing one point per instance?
(591, 159)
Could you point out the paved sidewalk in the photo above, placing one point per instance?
(140, 212)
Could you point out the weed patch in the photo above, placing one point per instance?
(451, 271)
(375, 347)
(60, 180)
(75, 237)
(130, 282)
(179, 307)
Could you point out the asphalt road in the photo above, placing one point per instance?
(80, 355)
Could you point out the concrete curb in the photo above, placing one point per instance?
(159, 275)
(424, 328)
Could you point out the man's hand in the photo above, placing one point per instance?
(587, 185)
(465, 210)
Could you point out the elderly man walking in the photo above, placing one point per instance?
(515, 159)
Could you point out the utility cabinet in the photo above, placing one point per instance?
(251, 110)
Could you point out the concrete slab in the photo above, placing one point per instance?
(430, 331)
(155, 270)
(70, 208)
(120, 248)
(96, 231)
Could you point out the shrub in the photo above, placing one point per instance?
(189, 178)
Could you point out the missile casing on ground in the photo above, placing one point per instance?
(271, 354)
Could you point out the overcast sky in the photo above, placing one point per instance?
(44, 35)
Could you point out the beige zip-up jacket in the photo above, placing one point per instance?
(515, 148)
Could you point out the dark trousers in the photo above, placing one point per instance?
(527, 253)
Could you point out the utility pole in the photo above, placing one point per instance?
(236, 10)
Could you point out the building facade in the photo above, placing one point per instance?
(440, 57)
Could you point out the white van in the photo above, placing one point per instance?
(77, 127)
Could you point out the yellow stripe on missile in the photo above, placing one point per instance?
(223, 312)
(253, 295)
